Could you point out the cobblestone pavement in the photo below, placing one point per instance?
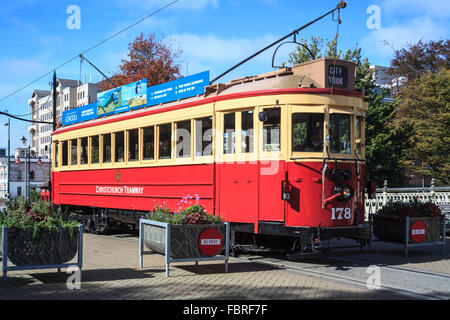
(111, 271)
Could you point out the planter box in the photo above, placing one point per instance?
(47, 248)
(392, 229)
(184, 239)
(187, 242)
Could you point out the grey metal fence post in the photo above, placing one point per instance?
(385, 192)
(167, 248)
(406, 236)
(141, 235)
(227, 246)
(80, 250)
(4, 254)
(443, 234)
(432, 191)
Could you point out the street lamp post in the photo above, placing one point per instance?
(27, 167)
(9, 154)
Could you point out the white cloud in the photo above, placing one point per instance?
(209, 52)
(156, 4)
(431, 8)
(399, 35)
(211, 48)
(17, 68)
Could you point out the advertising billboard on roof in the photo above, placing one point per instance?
(136, 95)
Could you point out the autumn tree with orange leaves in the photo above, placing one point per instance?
(149, 58)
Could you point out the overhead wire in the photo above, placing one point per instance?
(33, 112)
(89, 49)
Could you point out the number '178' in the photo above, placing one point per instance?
(341, 213)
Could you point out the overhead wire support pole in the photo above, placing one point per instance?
(54, 100)
(341, 5)
(107, 78)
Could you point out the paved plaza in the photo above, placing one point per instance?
(111, 272)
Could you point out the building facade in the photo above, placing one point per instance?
(34, 175)
(69, 94)
(384, 80)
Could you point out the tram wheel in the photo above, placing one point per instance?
(100, 223)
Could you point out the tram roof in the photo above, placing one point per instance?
(311, 74)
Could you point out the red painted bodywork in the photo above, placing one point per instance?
(248, 193)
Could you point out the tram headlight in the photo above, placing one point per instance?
(345, 191)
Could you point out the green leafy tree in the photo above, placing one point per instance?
(422, 95)
(384, 144)
(425, 110)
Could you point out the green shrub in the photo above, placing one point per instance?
(412, 209)
(195, 214)
(40, 216)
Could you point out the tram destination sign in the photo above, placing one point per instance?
(137, 95)
(337, 76)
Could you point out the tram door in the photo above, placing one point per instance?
(237, 168)
(271, 167)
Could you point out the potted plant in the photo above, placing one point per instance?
(38, 234)
(186, 229)
(389, 222)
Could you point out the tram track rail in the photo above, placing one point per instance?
(316, 269)
(332, 266)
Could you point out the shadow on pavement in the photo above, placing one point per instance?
(232, 268)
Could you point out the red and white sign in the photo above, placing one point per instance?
(418, 232)
(210, 242)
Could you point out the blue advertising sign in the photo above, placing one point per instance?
(121, 99)
(80, 114)
(178, 89)
(137, 95)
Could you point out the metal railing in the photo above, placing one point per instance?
(437, 195)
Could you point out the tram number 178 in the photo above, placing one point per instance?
(341, 213)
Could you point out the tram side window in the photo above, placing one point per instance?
(73, 152)
(183, 146)
(84, 151)
(56, 154)
(65, 152)
(95, 144)
(271, 130)
(340, 133)
(149, 143)
(165, 138)
(247, 131)
(133, 145)
(358, 135)
(229, 134)
(119, 146)
(107, 148)
(203, 138)
(307, 132)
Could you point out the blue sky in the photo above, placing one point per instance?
(213, 34)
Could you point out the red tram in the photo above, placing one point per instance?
(279, 155)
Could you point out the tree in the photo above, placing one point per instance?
(149, 58)
(425, 109)
(384, 144)
(423, 99)
(415, 60)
